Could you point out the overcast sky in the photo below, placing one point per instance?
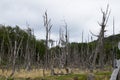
(80, 15)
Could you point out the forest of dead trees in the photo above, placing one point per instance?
(19, 49)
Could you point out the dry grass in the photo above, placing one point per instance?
(25, 74)
(34, 73)
(38, 73)
(30, 74)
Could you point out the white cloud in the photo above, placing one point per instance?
(79, 14)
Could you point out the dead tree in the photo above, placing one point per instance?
(82, 55)
(48, 26)
(2, 48)
(28, 50)
(15, 55)
(66, 47)
(52, 57)
(61, 43)
(113, 51)
(100, 42)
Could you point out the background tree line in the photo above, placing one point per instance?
(20, 49)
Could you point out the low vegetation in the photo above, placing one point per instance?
(37, 75)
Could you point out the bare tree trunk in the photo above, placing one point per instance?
(66, 48)
(28, 50)
(2, 55)
(14, 59)
(113, 51)
(52, 63)
(48, 26)
(100, 45)
(15, 54)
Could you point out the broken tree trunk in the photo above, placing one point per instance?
(100, 42)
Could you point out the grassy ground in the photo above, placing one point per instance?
(37, 75)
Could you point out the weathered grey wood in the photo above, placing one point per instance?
(115, 71)
(118, 76)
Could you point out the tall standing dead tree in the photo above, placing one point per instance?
(66, 47)
(100, 42)
(28, 50)
(61, 51)
(15, 54)
(48, 26)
